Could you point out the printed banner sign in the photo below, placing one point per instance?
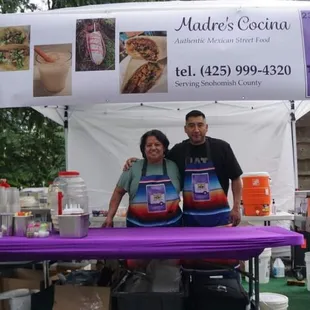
(154, 56)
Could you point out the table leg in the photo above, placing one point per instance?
(46, 273)
(250, 278)
(256, 281)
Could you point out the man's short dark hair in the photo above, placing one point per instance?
(161, 137)
(194, 113)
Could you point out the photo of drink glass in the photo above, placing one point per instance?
(52, 72)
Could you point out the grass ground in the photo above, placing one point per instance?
(299, 297)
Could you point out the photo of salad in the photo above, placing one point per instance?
(14, 48)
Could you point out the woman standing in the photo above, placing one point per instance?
(153, 186)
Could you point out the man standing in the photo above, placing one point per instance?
(206, 166)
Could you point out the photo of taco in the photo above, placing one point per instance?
(149, 48)
(14, 48)
(143, 62)
(141, 76)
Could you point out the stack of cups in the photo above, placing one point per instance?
(9, 200)
(13, 202)
(3, 200)
(307, 261)
(9, 205)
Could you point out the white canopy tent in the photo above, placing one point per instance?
(101, 137)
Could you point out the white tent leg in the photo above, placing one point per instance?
(66, 131)
(294, 142)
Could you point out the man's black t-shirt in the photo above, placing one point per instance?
(225, 163)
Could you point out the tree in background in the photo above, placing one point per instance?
(58, 4)
(31, 146)
(13, 6)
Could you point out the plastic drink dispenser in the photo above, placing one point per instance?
(73, 195)
(256, 195)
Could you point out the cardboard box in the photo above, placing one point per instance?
(19, 279)
(67, 297)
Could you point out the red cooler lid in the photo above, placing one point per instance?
(68, 173)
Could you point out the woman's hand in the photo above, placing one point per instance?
(116, 198)
(129, 163)
(108, 222)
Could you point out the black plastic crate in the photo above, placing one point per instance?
(299, 254)
(150, 300)
(44, 297)
(215, 289)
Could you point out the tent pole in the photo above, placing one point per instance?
(66, 131)
(294, 142)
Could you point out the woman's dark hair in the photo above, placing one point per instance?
(161, 137)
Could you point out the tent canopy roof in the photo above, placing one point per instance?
(215, 108)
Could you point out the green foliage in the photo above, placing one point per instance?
(58, 4)
(12, 6)
(32, 148)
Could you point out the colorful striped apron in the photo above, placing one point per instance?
(205, 203)
(156, 202)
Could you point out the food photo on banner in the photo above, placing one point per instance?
(14, 48)
(305, 20)
(95, 44)
(52, 73)
(143, 62)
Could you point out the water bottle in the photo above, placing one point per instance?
(241, 208)
(303, 206)
(278, 269)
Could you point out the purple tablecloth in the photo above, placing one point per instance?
(235, 243)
